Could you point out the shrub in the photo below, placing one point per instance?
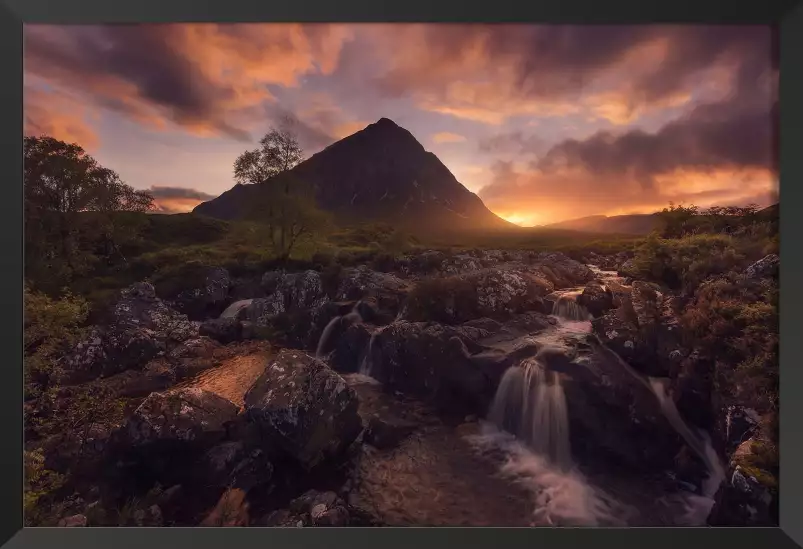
(51, 327)
(39, 483)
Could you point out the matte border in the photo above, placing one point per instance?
(14, 12)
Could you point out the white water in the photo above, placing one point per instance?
(697, 507)
(530, 403)
(353, 316)
(234, 309)
(366, 366)
(560, 497)
(567, 308)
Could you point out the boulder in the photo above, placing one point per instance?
(224, 330)
(496, 293)
(189, 415)
(749, 495)
(206, 296)
(386, 289)
(313, 508)
(596, 298)
(644, 331)
(434, 362)
(766, 267)
(139, 328)
(304, 407)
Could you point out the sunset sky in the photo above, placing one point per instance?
(544, 123)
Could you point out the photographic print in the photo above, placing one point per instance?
(365, 275)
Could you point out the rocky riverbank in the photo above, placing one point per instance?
(358, 397)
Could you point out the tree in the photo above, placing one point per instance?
(62, 183)
(286, 208)
(278, 152)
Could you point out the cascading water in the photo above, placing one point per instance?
(567, 308)
(234, 309)
(353, 316)
(367, 361)
(530, 404)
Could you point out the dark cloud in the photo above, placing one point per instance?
(160, 192)
(200, 77)
(567, 62)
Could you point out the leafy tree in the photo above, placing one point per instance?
(278, 152)
(287, 211)
(62, 183)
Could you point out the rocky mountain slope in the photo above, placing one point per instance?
(381, 173)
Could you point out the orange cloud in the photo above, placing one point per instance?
(206, 78)
(57, 115)
(448, 137)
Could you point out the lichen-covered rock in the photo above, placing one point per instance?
(749, 496)
(140, 327)
(188, 415)
(434, 362)
(208, 296)
(304, 407)
(765, 267)
(496, 293)
(313, 508)
(361, 282)
(644, 331)
(596, 298)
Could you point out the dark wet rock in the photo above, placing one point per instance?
(140, 327)
(749, 496)
(234, 464)
(613, 413)
(645, 331)
(205, 297)
(496, 293)
(246, 288)
(304, 407)
(262, 311)
(350, 347)
(73, 521)
(224, 330)
(150, 517)
(765, 267)
(188, 415)
(596, 298)
(313, 509)
(433, 362)
(740, 425)
(387, 431)
(386, 289)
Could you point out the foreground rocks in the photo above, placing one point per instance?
(304, 407)
(140, 327)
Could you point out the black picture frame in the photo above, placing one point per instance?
(787, 15)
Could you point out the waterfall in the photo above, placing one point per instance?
(530, 403)
(701, 446)
(567, 308)
(233, 310)
(353, 316)
(367, 360)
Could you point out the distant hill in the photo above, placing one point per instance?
(381, 173)
(617, 224)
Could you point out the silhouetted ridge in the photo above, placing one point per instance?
(380, 173)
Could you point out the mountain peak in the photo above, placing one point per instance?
(381, 173)
(386, 122)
